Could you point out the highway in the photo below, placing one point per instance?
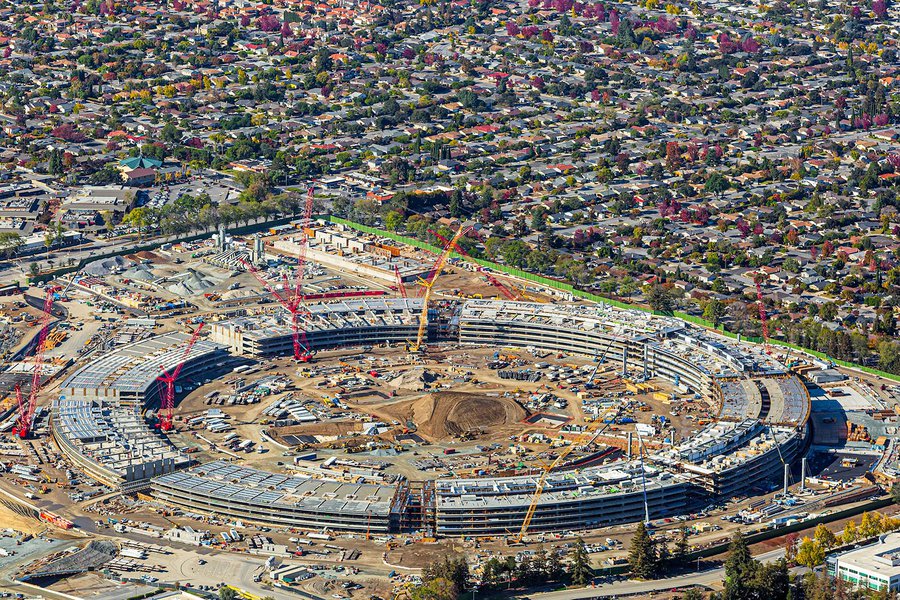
(711, 578)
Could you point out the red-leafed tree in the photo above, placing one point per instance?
(68, 132)
(268, 23)
(673, 156)
(750, 45)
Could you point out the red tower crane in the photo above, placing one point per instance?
(762, 313)
(27, 407)
(304, 245)
(494, 281)
(401, 287)
(167, 399)
(291, 297)
(292, 304)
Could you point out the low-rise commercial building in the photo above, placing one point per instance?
(876, 567)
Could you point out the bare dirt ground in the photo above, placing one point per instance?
(13, 520)
(444, 415)
(417, 556)
(330, 428)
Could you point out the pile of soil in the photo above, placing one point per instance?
(328, 428)
(444, 415)
(146, 255)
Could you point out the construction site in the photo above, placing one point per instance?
(331, 401)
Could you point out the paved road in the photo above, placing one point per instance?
(708, 578)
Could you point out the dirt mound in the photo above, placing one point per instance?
(146, 255)
(445, 415)
(328, 428)
(413, 379)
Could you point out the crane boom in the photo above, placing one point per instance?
(763, 319)
(493, 280)
(293, 306)
(600, 358)
(266, 285)
(429, 285)
(587, 436)
(28, 407)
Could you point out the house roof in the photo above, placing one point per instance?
(140, 162)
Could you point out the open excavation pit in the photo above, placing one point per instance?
(445, 415)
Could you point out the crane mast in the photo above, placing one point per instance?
(28, 406)
(429, 286)
(291, 297)
(167, 401)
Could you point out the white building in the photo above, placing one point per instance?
(876, 566)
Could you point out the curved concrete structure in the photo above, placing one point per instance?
(762, 424)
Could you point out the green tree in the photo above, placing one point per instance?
(580, 571)
(515, 252)
(555, 570)
(740, 570)
(895, 492)
(227, 593)
(10, 241)
(713, 311)
(660, 299)
(393, 220)
(642, 557)
(435, 589)
(772, 581)
(716, 184)
(170, 133)
(55, 163)
(682, 547)
(453, 570)
(456, 203)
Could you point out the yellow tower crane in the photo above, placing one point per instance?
(587, 436)
(429, 285)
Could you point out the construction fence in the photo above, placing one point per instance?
(568, 288)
